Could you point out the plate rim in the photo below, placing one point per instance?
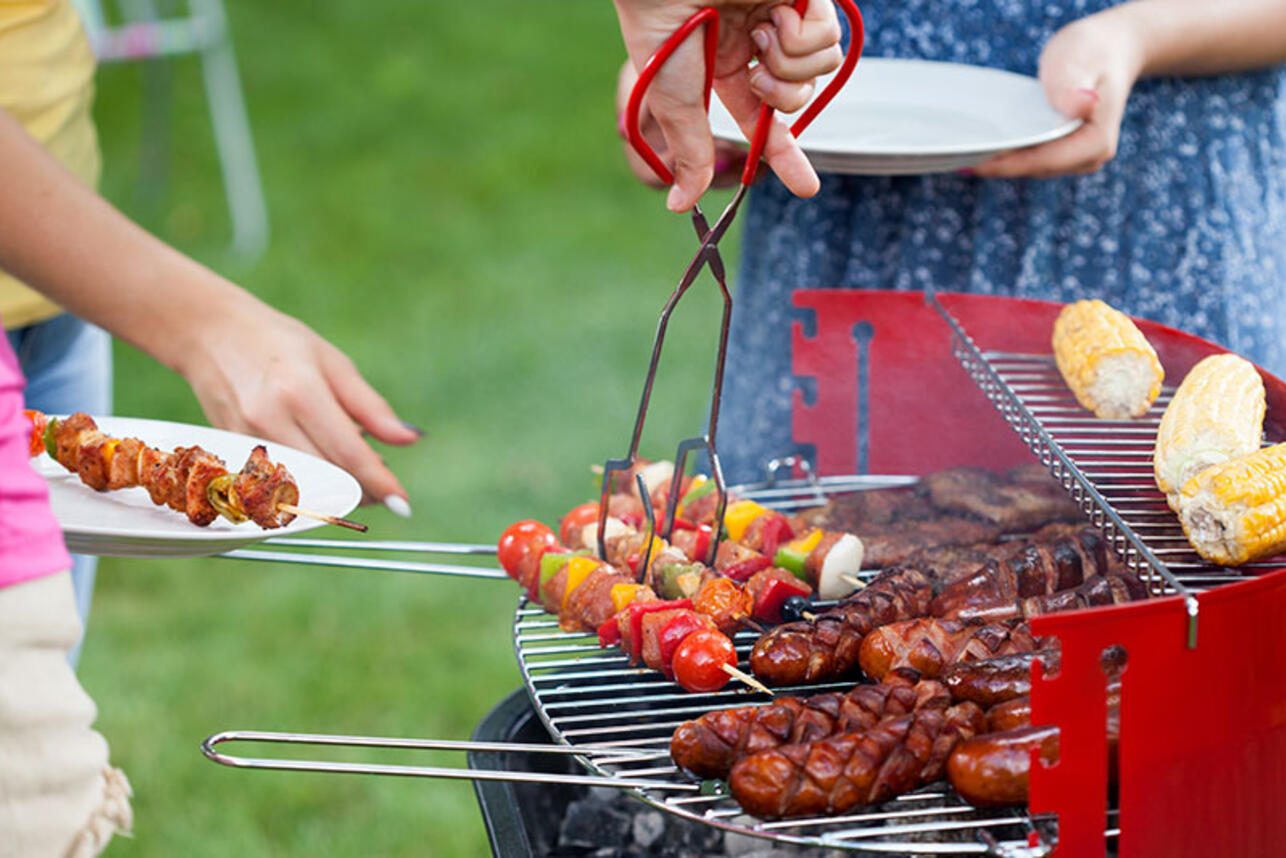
(1067, 126)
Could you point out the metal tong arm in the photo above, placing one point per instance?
(602, 755)
(369, 563)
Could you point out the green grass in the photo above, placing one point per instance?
(449, 205)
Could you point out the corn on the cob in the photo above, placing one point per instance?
(1235, 512)
(1217, 414)
(1106, 361)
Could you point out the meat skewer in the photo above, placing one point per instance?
(189, 480)
(834, 775)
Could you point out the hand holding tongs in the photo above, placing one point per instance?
(708, 253)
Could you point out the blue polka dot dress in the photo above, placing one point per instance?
(1186, 226)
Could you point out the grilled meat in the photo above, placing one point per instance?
(1024, 498)
(709, 746)
(930, 645)
(836, 774)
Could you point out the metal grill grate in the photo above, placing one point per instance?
(590, 697)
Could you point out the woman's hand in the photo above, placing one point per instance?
(1087, 70)
(729, 158)
(792, 52)
(261, 372)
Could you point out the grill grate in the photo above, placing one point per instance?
(590, 697)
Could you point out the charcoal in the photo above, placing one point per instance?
(648, 828)
(740, 845)
(685, 839)
(592, 824)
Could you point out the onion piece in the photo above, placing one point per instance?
(844, 560)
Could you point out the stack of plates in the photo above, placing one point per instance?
(903, 117)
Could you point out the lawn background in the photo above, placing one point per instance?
(449, 205)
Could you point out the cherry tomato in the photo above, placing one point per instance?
(575, 521)
(699, 660)
(522, 543)
(38, 422)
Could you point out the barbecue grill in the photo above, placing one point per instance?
(1202, 740)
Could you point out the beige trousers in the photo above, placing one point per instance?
(58, 796)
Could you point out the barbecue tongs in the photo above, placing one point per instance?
(707, 254)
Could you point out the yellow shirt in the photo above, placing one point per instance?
(47, 84)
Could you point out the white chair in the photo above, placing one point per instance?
(143, 34)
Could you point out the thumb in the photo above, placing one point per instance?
(1070, 90)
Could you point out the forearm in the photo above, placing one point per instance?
(1201, 37)
(68, 243)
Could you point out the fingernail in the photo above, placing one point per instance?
(621, 130)
(761, 38)
(672, 199)
(966, 171)
(412, 427)
(775, 14)
(398, 506)
(721, 164)
(759, 80)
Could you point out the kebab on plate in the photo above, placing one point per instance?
(189, 480)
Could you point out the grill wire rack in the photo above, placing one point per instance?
(617, 719)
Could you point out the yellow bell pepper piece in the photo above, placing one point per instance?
(578, 569)
(807, 542)
(623, 595)
(738, 517)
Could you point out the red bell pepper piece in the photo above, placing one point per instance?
(636, 612)
(680, 524)
(775, 531)
(743, 570)
(775, 592)
(673, 634)
(609, 633)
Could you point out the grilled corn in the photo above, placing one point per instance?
(1235, 512)
(1217, 414)
(1106, 361)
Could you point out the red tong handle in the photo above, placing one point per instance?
(709, 18)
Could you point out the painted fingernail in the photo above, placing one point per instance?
(398, 506)
(412, 427)
(760, 37)
(721, 164)
(621, 130)
(966, 171)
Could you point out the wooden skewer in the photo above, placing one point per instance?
(752, 625)
(741, 675)
(857, 583)
(321, 516)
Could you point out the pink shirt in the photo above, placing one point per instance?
(31, 543)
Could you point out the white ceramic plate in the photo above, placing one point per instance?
(904, 117)
(126, 523)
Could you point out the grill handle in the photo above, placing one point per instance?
(371, 563)
(601, 755)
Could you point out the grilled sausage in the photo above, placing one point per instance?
(827, 647)
(930, 645)
(990, 681)
(1112, 589)
(995, 591)
(709, 746)
(836, 774)
(992, 770)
